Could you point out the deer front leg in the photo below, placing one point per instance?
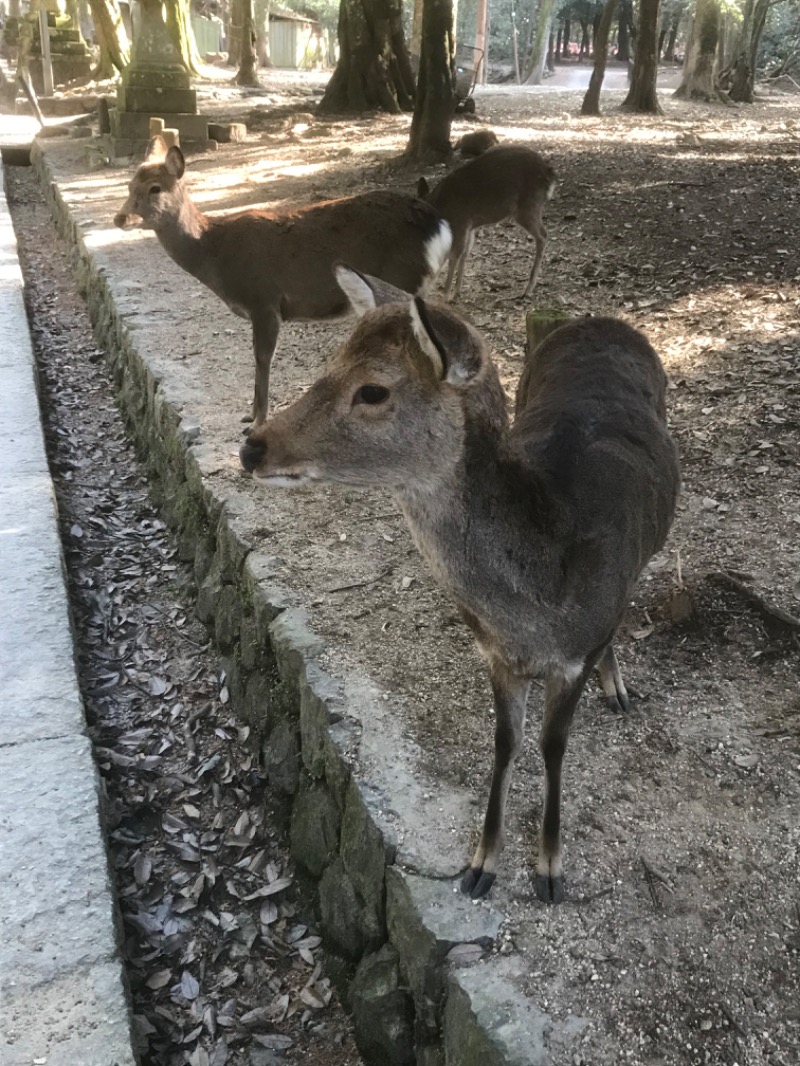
(462, 262)
(562, 691)
(510, 698)
(266, 326)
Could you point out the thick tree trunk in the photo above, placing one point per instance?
(234, 34)
(591, 101)
(669, 51)
(262, 32)
(565, 39)
(743, 71)
(177, 18)
(416, 30)
(624, 37)
(247, 73)
(115, 52)
(642, 97)
(429, 141)
(699, 70)
(541, 40)
(550, 62)
(374, 68)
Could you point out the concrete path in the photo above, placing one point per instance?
(62, 997)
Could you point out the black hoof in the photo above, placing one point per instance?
(476, 884)
(549, 889)
(618, 704)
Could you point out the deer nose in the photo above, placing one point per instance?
(252, 453)
(120, 220)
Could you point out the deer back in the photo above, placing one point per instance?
(492, 187)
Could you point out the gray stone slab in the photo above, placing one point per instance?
(489, 1021)
(38, 690)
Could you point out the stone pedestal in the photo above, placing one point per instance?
(69, 55)
(155, 85)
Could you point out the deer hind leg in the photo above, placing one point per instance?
(562, 691)
(510, 698)
(530, 218)
(266, 326)
(462, 262)
(611, 679)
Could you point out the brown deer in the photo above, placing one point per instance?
(509, 181)
(539, 530)
(476, 143)
(276, 266)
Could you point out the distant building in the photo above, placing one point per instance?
(294, 40)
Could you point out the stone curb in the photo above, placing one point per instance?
(386, 898)
(62, 992)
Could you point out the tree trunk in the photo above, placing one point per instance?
(247, 73)
(234, 34)
(429, 141)
(699, 69)
(565, 39)
(591, 101)
(743, 71)
(557, 53)
(262, 32)
(540, 42)
(642, 97)
(115, 51)
(179, 24)
(416, 31)
(669, 51)
(584, 49)
(550, 62)
(374, 68)
(624, 38)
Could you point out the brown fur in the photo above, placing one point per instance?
(274, 266)
(538, 530)
(510, 181)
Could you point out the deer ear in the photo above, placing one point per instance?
(156, 149)
(175, 163)
(454, 348)
(364, 292)
(422, 188)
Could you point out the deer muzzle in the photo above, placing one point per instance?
(125, 221)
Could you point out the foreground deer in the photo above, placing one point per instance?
(539, 531)
(504, 182)
(276, 266)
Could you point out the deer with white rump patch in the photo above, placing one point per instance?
(509, 181)
(276, 266)
(538, 530)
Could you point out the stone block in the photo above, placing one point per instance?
(281, 754)
(383, 1013)
(227, 617)
(426, 919)
(365, 854)
(294, 643)
(227, 132)
(315, 827)
(341, 913)
(317, 692)
(165, 101)
(343, 739)
(134, 125)
(488, 1021)
(256, 705)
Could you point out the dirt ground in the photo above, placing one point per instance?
(680, 939)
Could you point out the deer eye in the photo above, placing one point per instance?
(371, 394)
(155, 190)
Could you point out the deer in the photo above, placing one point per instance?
(476, 143)
(537, 529)
(276, 266)
(508, 181)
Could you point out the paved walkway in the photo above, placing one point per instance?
(62, 999)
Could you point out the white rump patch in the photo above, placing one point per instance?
(357, 291)
(424, 340)
(437, 248)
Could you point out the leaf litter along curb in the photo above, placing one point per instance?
(222, 970)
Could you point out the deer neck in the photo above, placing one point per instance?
(181, 232)
(476, 522)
